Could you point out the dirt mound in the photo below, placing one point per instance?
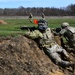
(21, 56)
(2, 22)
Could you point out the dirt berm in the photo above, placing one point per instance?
(21, 56)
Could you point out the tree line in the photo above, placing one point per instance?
(22, 11)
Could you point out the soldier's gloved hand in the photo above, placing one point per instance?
(27, 34)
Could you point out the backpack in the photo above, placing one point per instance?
(70, 34)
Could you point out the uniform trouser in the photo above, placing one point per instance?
(72, 44)
(53, 53)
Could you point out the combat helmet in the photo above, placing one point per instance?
(64, 24)
(42, 25)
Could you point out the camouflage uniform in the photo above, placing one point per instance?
(47, 42)
(69, 34)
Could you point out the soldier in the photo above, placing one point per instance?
(30, 17)
(69, 33)
(45, 40)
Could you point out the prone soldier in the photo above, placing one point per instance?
(47, 42)
(68, 32)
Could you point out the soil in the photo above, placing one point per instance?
(21, 56)
(3, 22)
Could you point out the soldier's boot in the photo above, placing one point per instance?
(72, 65)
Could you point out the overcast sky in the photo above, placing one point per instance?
(35, 3)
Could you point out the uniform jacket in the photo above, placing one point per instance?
(45, 39)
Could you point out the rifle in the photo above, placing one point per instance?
(28, 28)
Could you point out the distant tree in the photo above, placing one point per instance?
(22, 11)
(1, 11)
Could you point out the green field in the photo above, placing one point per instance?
(13, 26)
